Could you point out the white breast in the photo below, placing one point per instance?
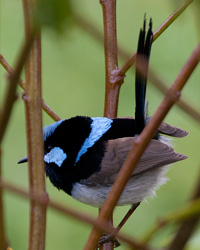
(137, 189)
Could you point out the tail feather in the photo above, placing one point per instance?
(143, 53)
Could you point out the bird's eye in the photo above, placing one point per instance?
(48, 149)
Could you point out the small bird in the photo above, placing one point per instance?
(83, 155)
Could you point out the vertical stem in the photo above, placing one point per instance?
(110, 44)
(111, 64)
(34, 133)
(108, 245)
(3, 241)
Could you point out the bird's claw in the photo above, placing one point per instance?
(105, 238)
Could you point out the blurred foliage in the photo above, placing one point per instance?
(54, 14)
(73, 84)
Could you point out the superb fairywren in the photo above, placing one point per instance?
(83, 155)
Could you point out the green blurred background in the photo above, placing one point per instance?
(73, 84)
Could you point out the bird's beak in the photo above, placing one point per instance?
(25, 159)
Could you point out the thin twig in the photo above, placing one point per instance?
(141, 143)
(182, 103)
(3, 241)
(171, 18)
(21, 83)
(10, 95)
(33, 104)
(160, 85)
(77, 215)
(124, 68)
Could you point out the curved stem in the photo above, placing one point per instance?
(141, 143)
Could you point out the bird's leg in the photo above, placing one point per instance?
(124, 220)
(111, 237)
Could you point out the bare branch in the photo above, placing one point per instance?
(10, 95)
(182, 103)
(124, 68)
(112, 87)
(113, 82)
(77, 215)
(160, 85)
(21, 83)
(37, 226)
(3, 241)
(142, 142)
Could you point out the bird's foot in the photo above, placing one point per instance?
(105, 238)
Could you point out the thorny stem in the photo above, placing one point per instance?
(37, 227)
(43, 200)
(3, 241)
(141, 143)
(21, 83)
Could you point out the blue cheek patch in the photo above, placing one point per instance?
(56, 155)
(48, 130)
(99, 127)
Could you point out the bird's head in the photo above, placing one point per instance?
(62, 142)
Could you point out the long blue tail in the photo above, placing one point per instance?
(143, 54)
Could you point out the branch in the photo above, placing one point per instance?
(124, 68)
(113, 83)
(10, 95)
(3, 241)
(160, 85)
(96, 33)
(141, 143)
(183, 104)
(112, 87)
(22, 84)
(37, 226)
(77, 215)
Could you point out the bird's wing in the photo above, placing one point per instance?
(166, 129)
(156, 155)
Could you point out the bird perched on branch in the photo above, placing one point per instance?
(83, 155)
